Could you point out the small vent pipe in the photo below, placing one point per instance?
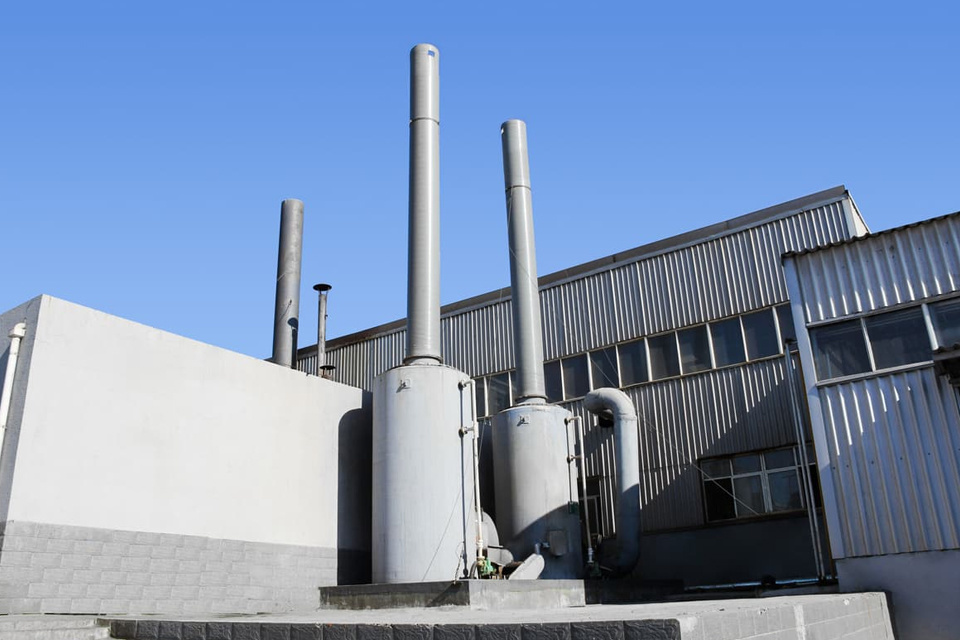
(423, 269)
(523, 264)
(616, 404)
(287, 310)
(322, 289)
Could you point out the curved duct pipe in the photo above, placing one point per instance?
(616, 404)
(16, 335)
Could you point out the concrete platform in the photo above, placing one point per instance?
(474, 594)
(852, 616)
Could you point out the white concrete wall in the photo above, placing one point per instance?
(128, 427)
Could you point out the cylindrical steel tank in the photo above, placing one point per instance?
(422, 469)
(535, 487)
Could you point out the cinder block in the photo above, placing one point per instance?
(129, 537)
(545, 631)
(498, 632)
(213, 593)
(453, 632)
(75, 561)
(115, 548)
(125, 629)
(143, 606)
(668, 629)
(43, 590)
(22, 575)
(163, 579)
(148, 629)
(110, 563)
(193, 542)
(9, 590)
(156, 592)
(17, 558)
(141, 578)
(276, 631)
(147, 538)
(167, 553)
(85, 605)
(238, 579)
(170, 630)
(193, 631)
(208, 578)
(596, 631)
(112, 577)
(90, 547)
(139, 551)
(44, 560)
(412, 632)
(23, 543)
(115, 605)
(130, 591)
(374, 632)
(164, 565)
(55, 605)
(134, 564)
(58, 574)
(187, 579)
(59, 545)
(73, 590)
(87, 576)
(101, 591)
(305, 632)
(218, 631)
(21, 528)
(190, 566)
(25, 605)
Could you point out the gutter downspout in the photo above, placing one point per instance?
(627, 510)
(16, 335)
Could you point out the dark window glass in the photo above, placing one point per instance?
(746, 464)
(633, 362)
(760, 334)
(718, 496)
(576, 384)
(946, 322)
(749, 493)
(604, 363)
(779, 459)
(784, 490)
(694, 349)
(727, 342)
(715, 468)
(898, 338)
(552, 381)
(839, 350)
(785, 318)
(664, 361)
(498, 393)
(481, 397)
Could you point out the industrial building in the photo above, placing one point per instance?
(769, 401)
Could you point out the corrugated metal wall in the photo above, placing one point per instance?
(892, 440)
(887, 269)
(713, 413)
(894, 447)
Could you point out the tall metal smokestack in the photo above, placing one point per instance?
(423, 270)
(287, 310)
(523, 264)
(322, 289)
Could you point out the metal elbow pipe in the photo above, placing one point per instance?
(615, 403)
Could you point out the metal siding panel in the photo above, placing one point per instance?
(889, 269)
(894, 443)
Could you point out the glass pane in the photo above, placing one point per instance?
(498, 393)
(839, 350)
(760, 334)
(604, 364)
(576, 384)
(727, 342)
(946, 321)
(481, 398)
(664, 361)
(746, 464)
(784, 490)
(694, 349)
(785, 318)
(552, 381)
(749, 493)
(633, 362)
(779, 459)
(718, 497)
(899, 338)
(712, 469)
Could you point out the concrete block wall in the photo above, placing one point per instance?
(61, 569)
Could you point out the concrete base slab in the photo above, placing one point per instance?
(848, 616)
(483, 595)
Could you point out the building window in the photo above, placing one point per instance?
(753, 484)
(946, 321)
(760, 334)
(898, 338)
(552, 381)
(785, 319)
(694, 349)
(839, 350)
(633, 362)
(664, 360)
(481, 397)
(727, 342)
(498, 392)
(576, 383)
(603, 366)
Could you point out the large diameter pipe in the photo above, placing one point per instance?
(16, 335)
(287, 309)
(423, 268)
(615, 403)
(523, 264)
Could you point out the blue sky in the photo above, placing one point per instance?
(145, 147)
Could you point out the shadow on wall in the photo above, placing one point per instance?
(354, 501)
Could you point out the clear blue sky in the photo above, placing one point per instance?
(145, 147)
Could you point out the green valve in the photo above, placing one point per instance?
(573, 507)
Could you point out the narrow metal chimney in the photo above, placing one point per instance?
(423, 268)
(523, 264)
(287, 310)
(322, 289)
